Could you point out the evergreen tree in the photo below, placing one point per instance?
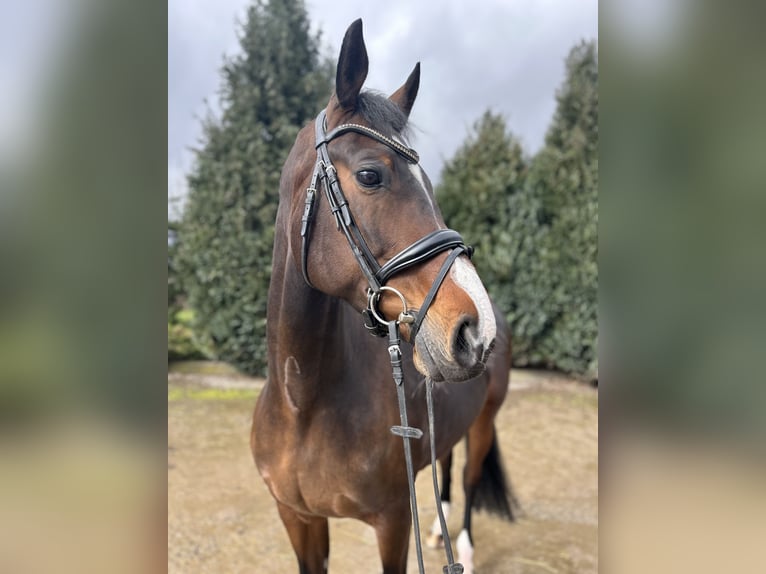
(175, 290)
(536, 230)
(269, 91)
(483, 194)
(476, 195)
(564, 178)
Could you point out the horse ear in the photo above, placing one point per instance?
(405, 96)
(352, 67)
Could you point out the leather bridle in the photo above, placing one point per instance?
(376, 275)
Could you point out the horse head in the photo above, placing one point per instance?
(384, 203)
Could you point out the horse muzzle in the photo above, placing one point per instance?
(460, 356)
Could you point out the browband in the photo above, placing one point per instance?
(406, 152)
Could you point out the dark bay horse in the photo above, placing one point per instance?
(320, 434)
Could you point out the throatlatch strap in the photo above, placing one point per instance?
(306, 220)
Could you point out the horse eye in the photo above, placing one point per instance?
(368, 177)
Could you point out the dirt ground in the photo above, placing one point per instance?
(222, 519)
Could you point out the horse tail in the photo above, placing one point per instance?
(494, 492)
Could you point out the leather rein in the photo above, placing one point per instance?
(377, 275)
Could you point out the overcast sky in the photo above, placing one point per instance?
(506, 55)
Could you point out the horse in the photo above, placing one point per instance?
(320, 434)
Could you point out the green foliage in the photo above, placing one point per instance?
(182, 340)
(535, 226)
(268, 93)
(175, 288)
(479, 190)
(183, 343)
(564, 175)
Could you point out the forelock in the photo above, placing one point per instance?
(382, 114)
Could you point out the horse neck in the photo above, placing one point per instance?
(300, 321)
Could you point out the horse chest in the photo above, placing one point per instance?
(333, 474)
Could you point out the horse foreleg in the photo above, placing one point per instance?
(435, 538)
(310, 538)
(393, 532)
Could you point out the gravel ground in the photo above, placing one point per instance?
(221, 518)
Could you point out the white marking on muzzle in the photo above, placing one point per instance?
(465, 276)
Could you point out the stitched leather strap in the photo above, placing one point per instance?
(422, 250)
(407, 152)
(415, 327)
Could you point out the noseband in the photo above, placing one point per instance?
(377, 275)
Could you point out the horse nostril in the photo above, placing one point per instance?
(467, 349)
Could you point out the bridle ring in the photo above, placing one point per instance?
(372, 302)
